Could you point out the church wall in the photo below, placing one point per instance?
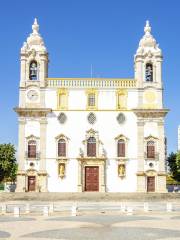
(75, 130)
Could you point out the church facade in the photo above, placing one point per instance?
(91, 134)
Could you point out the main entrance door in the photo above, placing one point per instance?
(31, 183)
(150, 184)
(92, 178)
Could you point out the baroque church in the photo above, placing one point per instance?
(91, 134)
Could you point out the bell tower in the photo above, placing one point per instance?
(34, 58)
(148, 61)
(34, 66)
(150, 114)
(32, 111)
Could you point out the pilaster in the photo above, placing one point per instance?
(21, 178)
(21, 143)
(161, 146)
(79, 176)
(42, 169)
(141, 184)
(140, 144)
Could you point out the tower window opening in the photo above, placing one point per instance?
(33, 70)
(149, 72)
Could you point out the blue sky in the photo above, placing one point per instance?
(78, 33)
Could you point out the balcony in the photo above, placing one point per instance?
(155, 157)
(32, 157)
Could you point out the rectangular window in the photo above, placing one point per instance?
(121, 99)
(150, 152)
(31, 151)
(91, 100)
(62, 99)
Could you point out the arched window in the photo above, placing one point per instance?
(32, 149)
(149, 72)
(91, 147)
(121, 148)
(150, 149)
(33, 70)
(61, 148)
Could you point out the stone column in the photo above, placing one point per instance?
(79, 176)
(102, 180)
(161, 181)
(21, 176)
(42, 168)
(141, 180)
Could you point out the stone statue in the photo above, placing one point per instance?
(121, 170)
(61, 170)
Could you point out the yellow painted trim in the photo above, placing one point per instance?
(121, 104)
(62, 92)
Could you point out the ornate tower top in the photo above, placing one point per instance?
(34, 41)
(148, 44)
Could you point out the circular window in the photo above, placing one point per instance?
(121, 118)
(62, 118)
(31, 164)
(151, 165)
(91, 118)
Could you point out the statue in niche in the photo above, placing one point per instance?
(149, 72)
(61, 170)
(121, 170)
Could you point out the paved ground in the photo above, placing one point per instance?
(89, 225)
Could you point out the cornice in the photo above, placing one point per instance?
(150, 113)
(32, 112)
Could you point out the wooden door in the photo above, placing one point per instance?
(91, 178)
(31, 183)
(150, 184)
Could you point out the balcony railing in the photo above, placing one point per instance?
(30, 157)
(155, 157)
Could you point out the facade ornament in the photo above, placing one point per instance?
(104, 153)
(81, 153)
(35, 27)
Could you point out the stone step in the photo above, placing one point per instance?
(88, 196)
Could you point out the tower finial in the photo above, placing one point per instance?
(35, 26)
(147, 28)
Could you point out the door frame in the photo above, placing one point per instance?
(151, 173)
(32, 173)
(85, 177)
(148, 177)
(94, 162)
(35, 179)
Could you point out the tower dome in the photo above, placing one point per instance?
(34, 41)
(148, 42)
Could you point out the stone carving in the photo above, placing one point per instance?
(121, 118)
(62, 118)
(91, 118)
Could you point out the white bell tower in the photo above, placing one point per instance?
(148, 61)
(34, 59)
